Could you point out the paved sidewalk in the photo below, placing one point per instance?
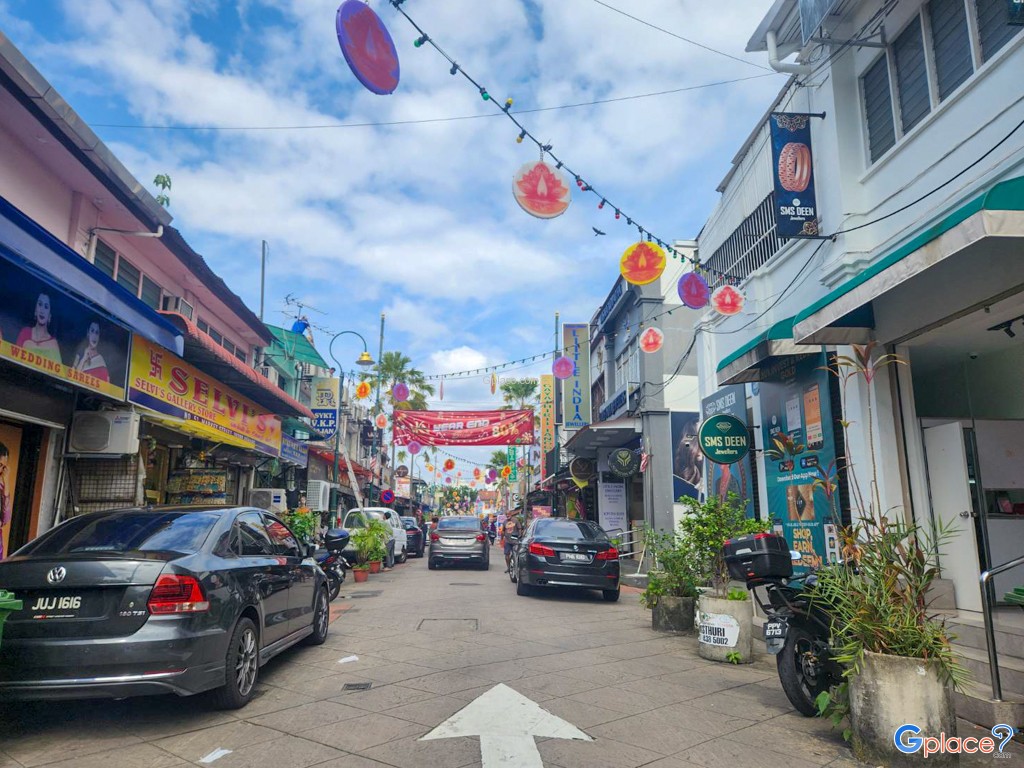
(429, 643)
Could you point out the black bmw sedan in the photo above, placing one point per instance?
(158, 600)
(555, 552)
(417, 542)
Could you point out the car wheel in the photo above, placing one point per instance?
(431, 565)
(513, 569)
(242, 667)
(404, 557)
(610, 595)
(486, 564)
(523, 589)
(321, 619)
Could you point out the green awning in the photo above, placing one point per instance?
(748, 362)
(294, 347)
(858, 291)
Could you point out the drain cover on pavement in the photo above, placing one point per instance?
(463, 584)
(356, 686)
(372, 593)
(449, 625)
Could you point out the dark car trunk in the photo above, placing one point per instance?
(457, 537)
(574, 552)
(100, 594)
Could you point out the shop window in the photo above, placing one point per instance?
(215, 336)
(105, 258)
(951, 44)
(878, 108)
(230, 347)
(128, 276)
(240, 354)
(911, 75)
(993, 30)
(151, 292)
(203, 326)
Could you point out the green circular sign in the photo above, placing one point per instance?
(724, 439)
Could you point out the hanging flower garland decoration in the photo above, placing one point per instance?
(694, 291)
(541, 190)
(476, 472)
(367, 46)
(728, 300)
(563, 368)
(363, 390)
(413, 447)
(381, 421)
(400, 392)
(642, 263)
(651, 340)
(506, 471)
(449, 465)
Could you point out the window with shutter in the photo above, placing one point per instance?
(951, 41)
(128, 276)
(993, 28)
(105, 258)
(911, 76)
(878, 108)
(150, 292)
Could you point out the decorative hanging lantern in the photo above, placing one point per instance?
(492, 475)
(400, 392)
(448, 480)
(367, 47)
(506, 471)
(694, 291)
(381, 421)
(430, 467)
(728, 300)
(563, 368)
(363, 390)
(521, 462)
(642, 263)
(441, 392)
(651, 340)
(449, 465)
(458, 474)
(472, 483)
(476, 472)
(494, 383)
(541, 190)
(413, 447)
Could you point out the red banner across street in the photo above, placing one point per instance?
(464, 427)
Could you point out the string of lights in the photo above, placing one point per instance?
(604, 203)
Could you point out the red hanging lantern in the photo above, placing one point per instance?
(728, 300)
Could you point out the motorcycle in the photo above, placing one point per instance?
(796, 631)
(332, 560)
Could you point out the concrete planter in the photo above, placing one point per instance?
(890, 691)
(725, 627)
(673, 614)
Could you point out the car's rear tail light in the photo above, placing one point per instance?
(540, 549)
(480, 537)
(434, 537)
(174, 593)
(609, 554)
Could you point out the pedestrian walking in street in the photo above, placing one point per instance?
(512, 528)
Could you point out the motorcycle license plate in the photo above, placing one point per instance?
(775, 635)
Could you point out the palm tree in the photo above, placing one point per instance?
(394, 367)
(519, 394)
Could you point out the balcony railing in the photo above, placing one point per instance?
(751, 245)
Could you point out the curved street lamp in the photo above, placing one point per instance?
(365, 361)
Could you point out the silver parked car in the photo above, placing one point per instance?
(459, 540)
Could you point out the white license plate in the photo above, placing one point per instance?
(457, 542)
(576, 557)
(57, 607)
(775, 629)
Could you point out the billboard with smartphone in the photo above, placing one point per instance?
(800, 458)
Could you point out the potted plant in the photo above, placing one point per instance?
(671, 591)
(725, 618)
(379, 531)
(900, 666)
(303, 524)
(365, 542)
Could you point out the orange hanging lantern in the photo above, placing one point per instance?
(363, 390)
(449, 465)
(476, 472)
(506, 471)
(728, 300)
(642, 263)
(651, 340)
(430, 467)
(381, 421)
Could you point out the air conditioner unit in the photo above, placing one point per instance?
(179, 305)
(318, 495)
(271, 373)
(270, 499)
(105, 432)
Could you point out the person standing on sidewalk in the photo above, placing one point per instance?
(512, 528)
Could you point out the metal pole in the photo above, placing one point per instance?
(990, 630)
(337, 417)
(557, 457)
(380, 375)
(263, 276)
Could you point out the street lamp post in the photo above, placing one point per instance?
(364, 360)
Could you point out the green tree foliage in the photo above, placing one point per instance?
(163, 182)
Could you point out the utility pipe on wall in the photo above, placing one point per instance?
(90, 251)
(779, 66)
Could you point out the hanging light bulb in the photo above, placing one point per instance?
(508, 103)
(520, 137)
(420, 41)
(484, 94)
(618, 214)
(601, 205)
(455, 69)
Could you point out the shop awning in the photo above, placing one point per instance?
(211, 357)
(844, 314)
(197, 429)
(293, 347)
(748, 362)
(604, 434)
(27, 240)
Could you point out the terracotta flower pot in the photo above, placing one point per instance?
(361, 574)
(375, 566)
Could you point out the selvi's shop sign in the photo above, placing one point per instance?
(46, 329)
(724, 439)
(163, 382)
(796, 209)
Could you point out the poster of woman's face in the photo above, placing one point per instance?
(10, 447)
(687, 459)
(48, 325)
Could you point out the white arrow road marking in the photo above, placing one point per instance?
(507, 724)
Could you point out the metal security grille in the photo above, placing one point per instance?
(98, 484)
(911, 75)
(951, 42)
(751, 245)
(878, 108)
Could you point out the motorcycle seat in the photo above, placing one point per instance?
(320, 554)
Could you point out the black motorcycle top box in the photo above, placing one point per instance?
(336, 539)
(758, 556)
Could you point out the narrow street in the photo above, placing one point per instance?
(429, 643)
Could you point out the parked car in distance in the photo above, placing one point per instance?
(397, 543)
(555, 552)
(158, 600)
(458, 539)
(414, 533)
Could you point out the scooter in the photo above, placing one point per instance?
(797, 631)
(332, 560)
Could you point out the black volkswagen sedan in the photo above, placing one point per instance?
(158, 600)
(417, 542)
(556, 552)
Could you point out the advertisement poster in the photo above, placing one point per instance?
(541, 511)
(325, 404)
(737, 478)
(295, 451)
(10, 449)
(799, 458)
(547, 413)
(163, 382)
(576, 389)
(612, 508)
(43, 328)
(796, 211)
(464, 427)
(403, 487)
(687, 460)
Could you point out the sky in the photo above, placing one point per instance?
(415, 220)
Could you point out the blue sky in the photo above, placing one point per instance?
(417, 221)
